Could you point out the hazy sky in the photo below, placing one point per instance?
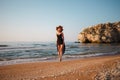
(36, 20)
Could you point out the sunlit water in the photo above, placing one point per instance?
(22, 52)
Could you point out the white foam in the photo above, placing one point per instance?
(20, 61)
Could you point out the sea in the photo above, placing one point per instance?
(27, 52)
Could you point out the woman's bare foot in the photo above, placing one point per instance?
(60, 57)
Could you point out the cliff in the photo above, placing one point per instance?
(101, 33)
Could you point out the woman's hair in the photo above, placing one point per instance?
(59, 27)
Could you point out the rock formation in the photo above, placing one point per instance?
(101, 33)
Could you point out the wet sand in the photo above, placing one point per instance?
(95, 68)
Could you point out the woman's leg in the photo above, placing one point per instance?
(61, 51)
(58, 47)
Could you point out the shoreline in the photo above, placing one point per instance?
(51, 59)
(102, 67)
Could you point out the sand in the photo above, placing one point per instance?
(95, 68)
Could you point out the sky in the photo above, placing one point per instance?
(36, 20)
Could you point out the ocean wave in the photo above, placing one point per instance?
(29, 60)
(48, 51)
(52, 58)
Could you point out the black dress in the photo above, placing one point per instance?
(60, 41)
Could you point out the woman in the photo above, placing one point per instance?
(60, 42)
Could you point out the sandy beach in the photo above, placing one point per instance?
(95, 68)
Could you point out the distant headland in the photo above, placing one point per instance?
(101, 33)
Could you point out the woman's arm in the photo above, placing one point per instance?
(56, 35)
(63, 37)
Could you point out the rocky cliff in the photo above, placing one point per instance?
(101, 33)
